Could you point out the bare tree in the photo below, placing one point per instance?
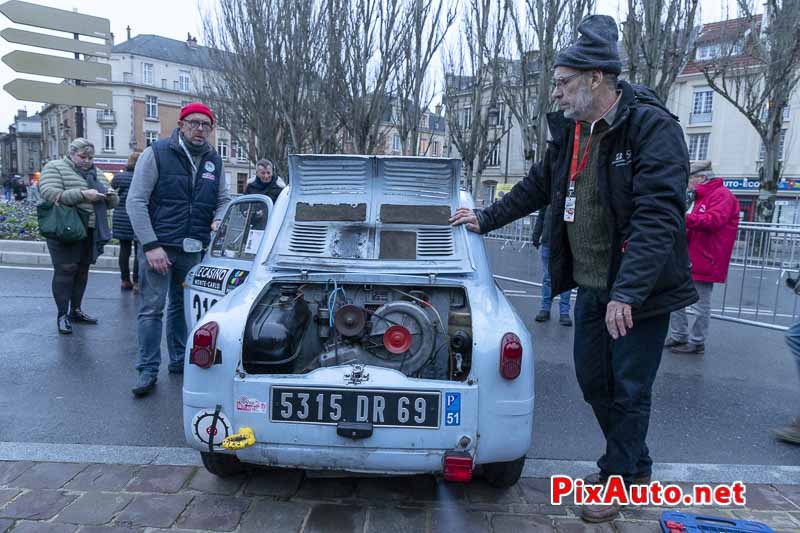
(297, 70)
(428, 25)
(239, 40)
(578, 9)
(364, 67)
(757, 70)
(657, 36)
(526, 90)
(473, 74)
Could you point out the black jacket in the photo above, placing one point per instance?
(541, 228)
(642, 175)
(271, 189)
(121, 223)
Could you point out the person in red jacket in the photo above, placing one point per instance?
(711, 226)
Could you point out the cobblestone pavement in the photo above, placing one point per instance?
(94, 498)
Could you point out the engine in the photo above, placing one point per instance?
(420, 331)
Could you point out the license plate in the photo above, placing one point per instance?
(390, 408)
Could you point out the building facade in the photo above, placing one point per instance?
(21, 147)
(152, 78)
(716, 131)
(432, 138)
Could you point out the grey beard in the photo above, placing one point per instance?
(582, 106)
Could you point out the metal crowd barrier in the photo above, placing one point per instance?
(755, 292)
(516, 235)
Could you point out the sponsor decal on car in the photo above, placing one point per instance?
(210, 277)
(237, 278)
(250, 405)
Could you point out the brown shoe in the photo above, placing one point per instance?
(126, 286)
(670, 342)
(689, 348)
(600, 513)
(790, 433)
(135, 286)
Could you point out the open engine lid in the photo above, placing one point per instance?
(350, 213)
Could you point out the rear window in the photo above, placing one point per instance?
(240, 234)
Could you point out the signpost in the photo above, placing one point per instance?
(28, 62)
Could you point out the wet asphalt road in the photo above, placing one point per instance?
(711, 409)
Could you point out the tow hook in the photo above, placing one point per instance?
(241, 440)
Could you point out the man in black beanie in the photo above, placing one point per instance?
(615, 175)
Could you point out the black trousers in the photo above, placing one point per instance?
(616, 378)
(125, 260)
(70, 272)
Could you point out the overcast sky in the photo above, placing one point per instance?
(174, 18)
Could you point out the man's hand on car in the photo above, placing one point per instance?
(158, 260)
(468, 217)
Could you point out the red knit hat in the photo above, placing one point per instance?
(196, 107)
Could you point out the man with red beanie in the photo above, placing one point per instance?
(711, 225)
(178, 192)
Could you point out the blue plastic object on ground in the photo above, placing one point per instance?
(674, 522)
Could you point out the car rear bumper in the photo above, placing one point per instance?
(359, 460)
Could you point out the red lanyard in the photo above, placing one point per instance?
(575, 169)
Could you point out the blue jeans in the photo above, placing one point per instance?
(153, 290)
(793, 340)
(616, 378)
(547, 294)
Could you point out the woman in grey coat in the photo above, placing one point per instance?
(122, 229)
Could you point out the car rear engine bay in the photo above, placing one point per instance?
(421, 331)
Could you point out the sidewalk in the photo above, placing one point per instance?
(83, 498)
(34, 253)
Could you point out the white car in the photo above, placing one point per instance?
(349, 327)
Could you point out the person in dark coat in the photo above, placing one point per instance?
(20, 189)
(615, 174)
(122, 229)
(266, 182)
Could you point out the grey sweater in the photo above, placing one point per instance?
(144, 181)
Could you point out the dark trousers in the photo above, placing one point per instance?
(616, 378)
(125, 260)
(70, 272)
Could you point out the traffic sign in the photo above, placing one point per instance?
(58, 93)
(60, 67)
(56, 19)
(29, 38)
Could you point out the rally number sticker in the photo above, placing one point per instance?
(200, 305)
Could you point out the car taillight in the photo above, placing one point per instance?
(458, 467)
(204, 345)
(510, 356)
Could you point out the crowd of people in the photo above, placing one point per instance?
(624, 234)
(174, 177)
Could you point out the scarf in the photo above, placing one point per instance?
(102, 233)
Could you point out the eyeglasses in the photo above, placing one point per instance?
(560, 83)
(197, 124)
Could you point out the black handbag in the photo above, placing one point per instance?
(61, 222)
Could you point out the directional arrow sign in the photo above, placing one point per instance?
(56, 19)
(57, 93)
(42, 40)
(57, 67)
